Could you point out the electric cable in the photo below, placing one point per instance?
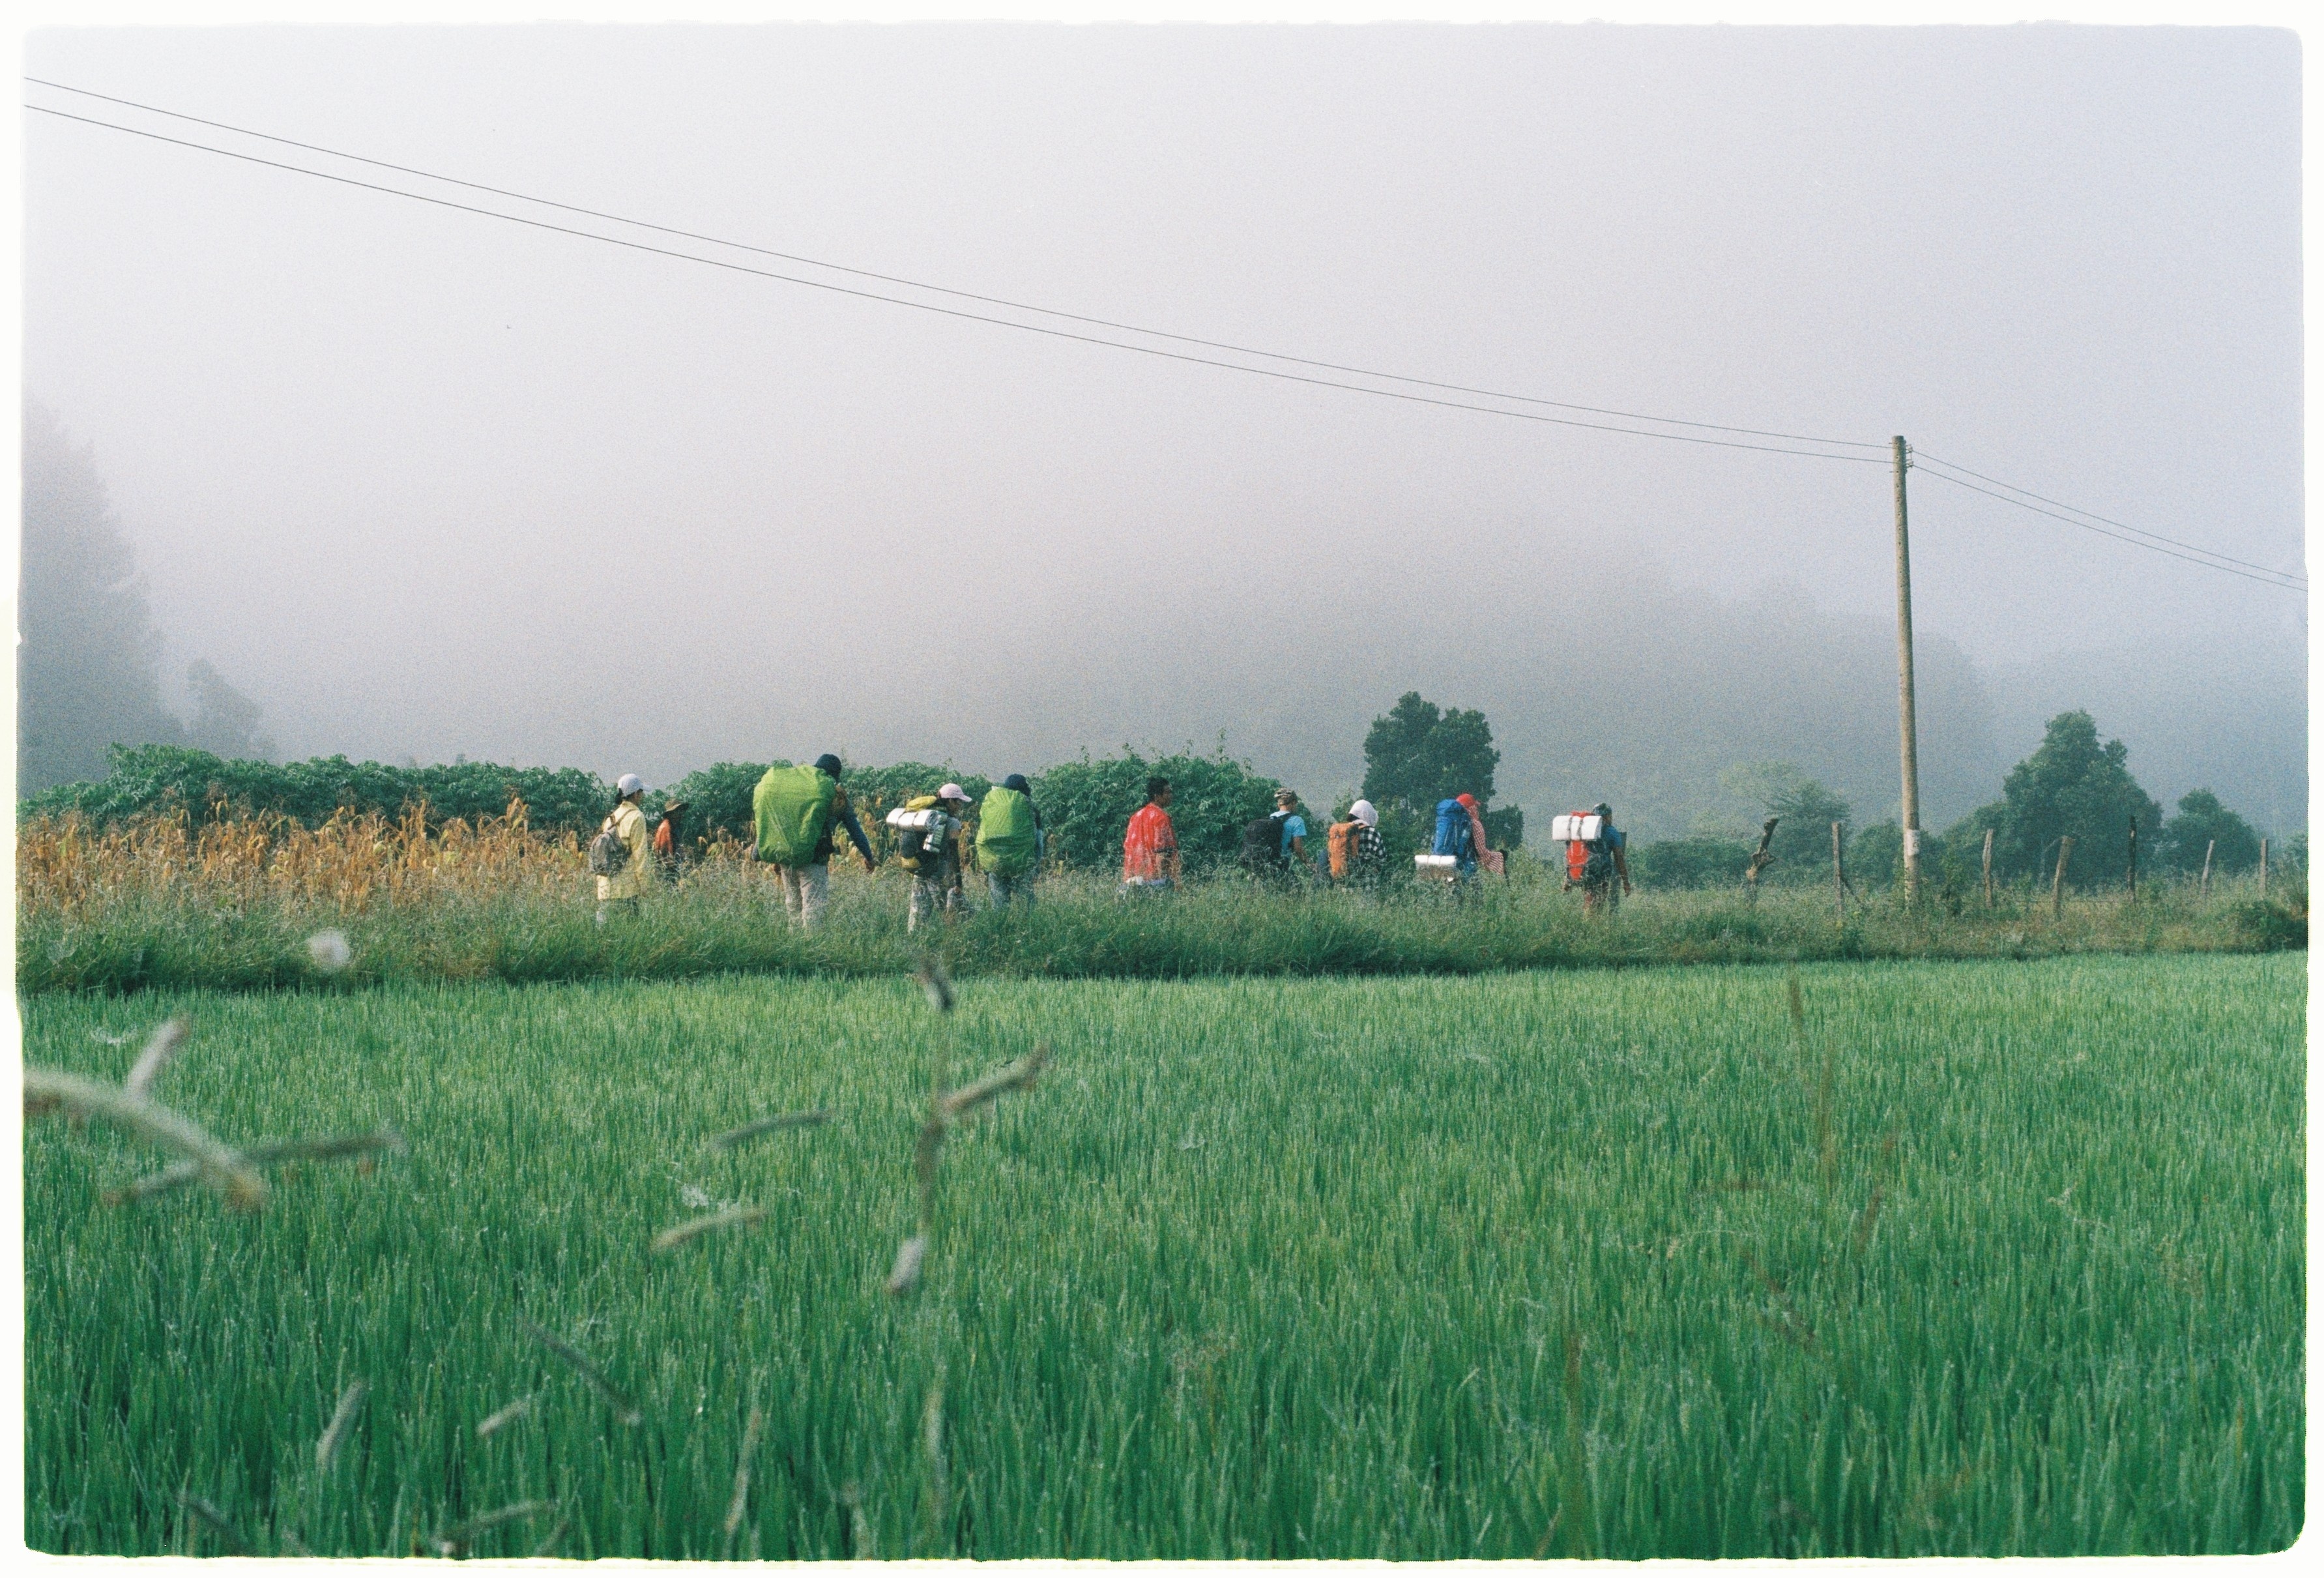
(2278, 578)
(924, 285)
(2140, 531)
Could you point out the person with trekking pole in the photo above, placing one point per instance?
(620, 855)
(798, 811)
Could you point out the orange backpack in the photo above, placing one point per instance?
(1346, 842)
(1577, 855)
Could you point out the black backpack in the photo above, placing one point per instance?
(1262, 843)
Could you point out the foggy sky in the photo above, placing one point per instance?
(424, 483)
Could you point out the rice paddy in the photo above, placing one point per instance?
(1993, 1258)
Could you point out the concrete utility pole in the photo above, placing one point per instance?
(1911, 744)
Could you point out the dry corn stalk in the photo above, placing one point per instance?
(220, 1165)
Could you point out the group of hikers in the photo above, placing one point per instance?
(800, 813)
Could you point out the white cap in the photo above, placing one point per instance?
(950, 791)
(1364, 811)
(631, 784)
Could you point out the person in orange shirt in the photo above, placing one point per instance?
(1150, 845)
(668, 840)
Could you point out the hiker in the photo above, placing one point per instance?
(798, 811)
(933, 847)
(669, 851)
(622, 855)
(1009, 840)
(1358, 859)
(1455, 840)
(1149, 845)
(1270, 844)
(1595, 864)
(1491, 860)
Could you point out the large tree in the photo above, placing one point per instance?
(88, 670)
(1419, 753)
(2204, 824)
(2072, 786)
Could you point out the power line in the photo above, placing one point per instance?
(2139, 530)
(897, 279)
(2265, 577)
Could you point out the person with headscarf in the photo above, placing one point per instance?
(1358, 858)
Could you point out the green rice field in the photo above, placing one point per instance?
(2000, 1258)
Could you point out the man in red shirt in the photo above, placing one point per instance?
(1149, 848)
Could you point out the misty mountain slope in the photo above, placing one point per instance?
(2229, 718)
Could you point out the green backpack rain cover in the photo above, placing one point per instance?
(1005, 833)
(792, 805)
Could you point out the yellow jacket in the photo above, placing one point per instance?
(637, 875)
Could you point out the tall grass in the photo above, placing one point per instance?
(238, 904)
(1980, 1259)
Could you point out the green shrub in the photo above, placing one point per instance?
(1087, 805)
(151, 778)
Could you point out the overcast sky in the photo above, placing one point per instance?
(423, 482)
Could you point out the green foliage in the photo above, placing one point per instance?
(1702, 860)
(1805, 811)
(161, 778)
(717, 800)
(1417, 754)
(1997, 1260)
(2202, 823)
(1086, 806)
(2070, 786)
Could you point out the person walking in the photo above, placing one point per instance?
(1358, 858)
(935, 853)
(1595, 864)
(1009, 840)
(1272, 844)
(620, 855)
(1455, 840)
(669, 841)
(798, 812)
(1491, 860)
(1149, 845)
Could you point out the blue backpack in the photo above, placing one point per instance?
(1454, 836)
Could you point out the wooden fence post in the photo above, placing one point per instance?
(1761, 860)
(2133, 857)
(2203, 888)
(1989, 868)
(2058, 884)
(1839, 877)
(2262, 868)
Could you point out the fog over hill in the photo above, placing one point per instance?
(419, 483)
